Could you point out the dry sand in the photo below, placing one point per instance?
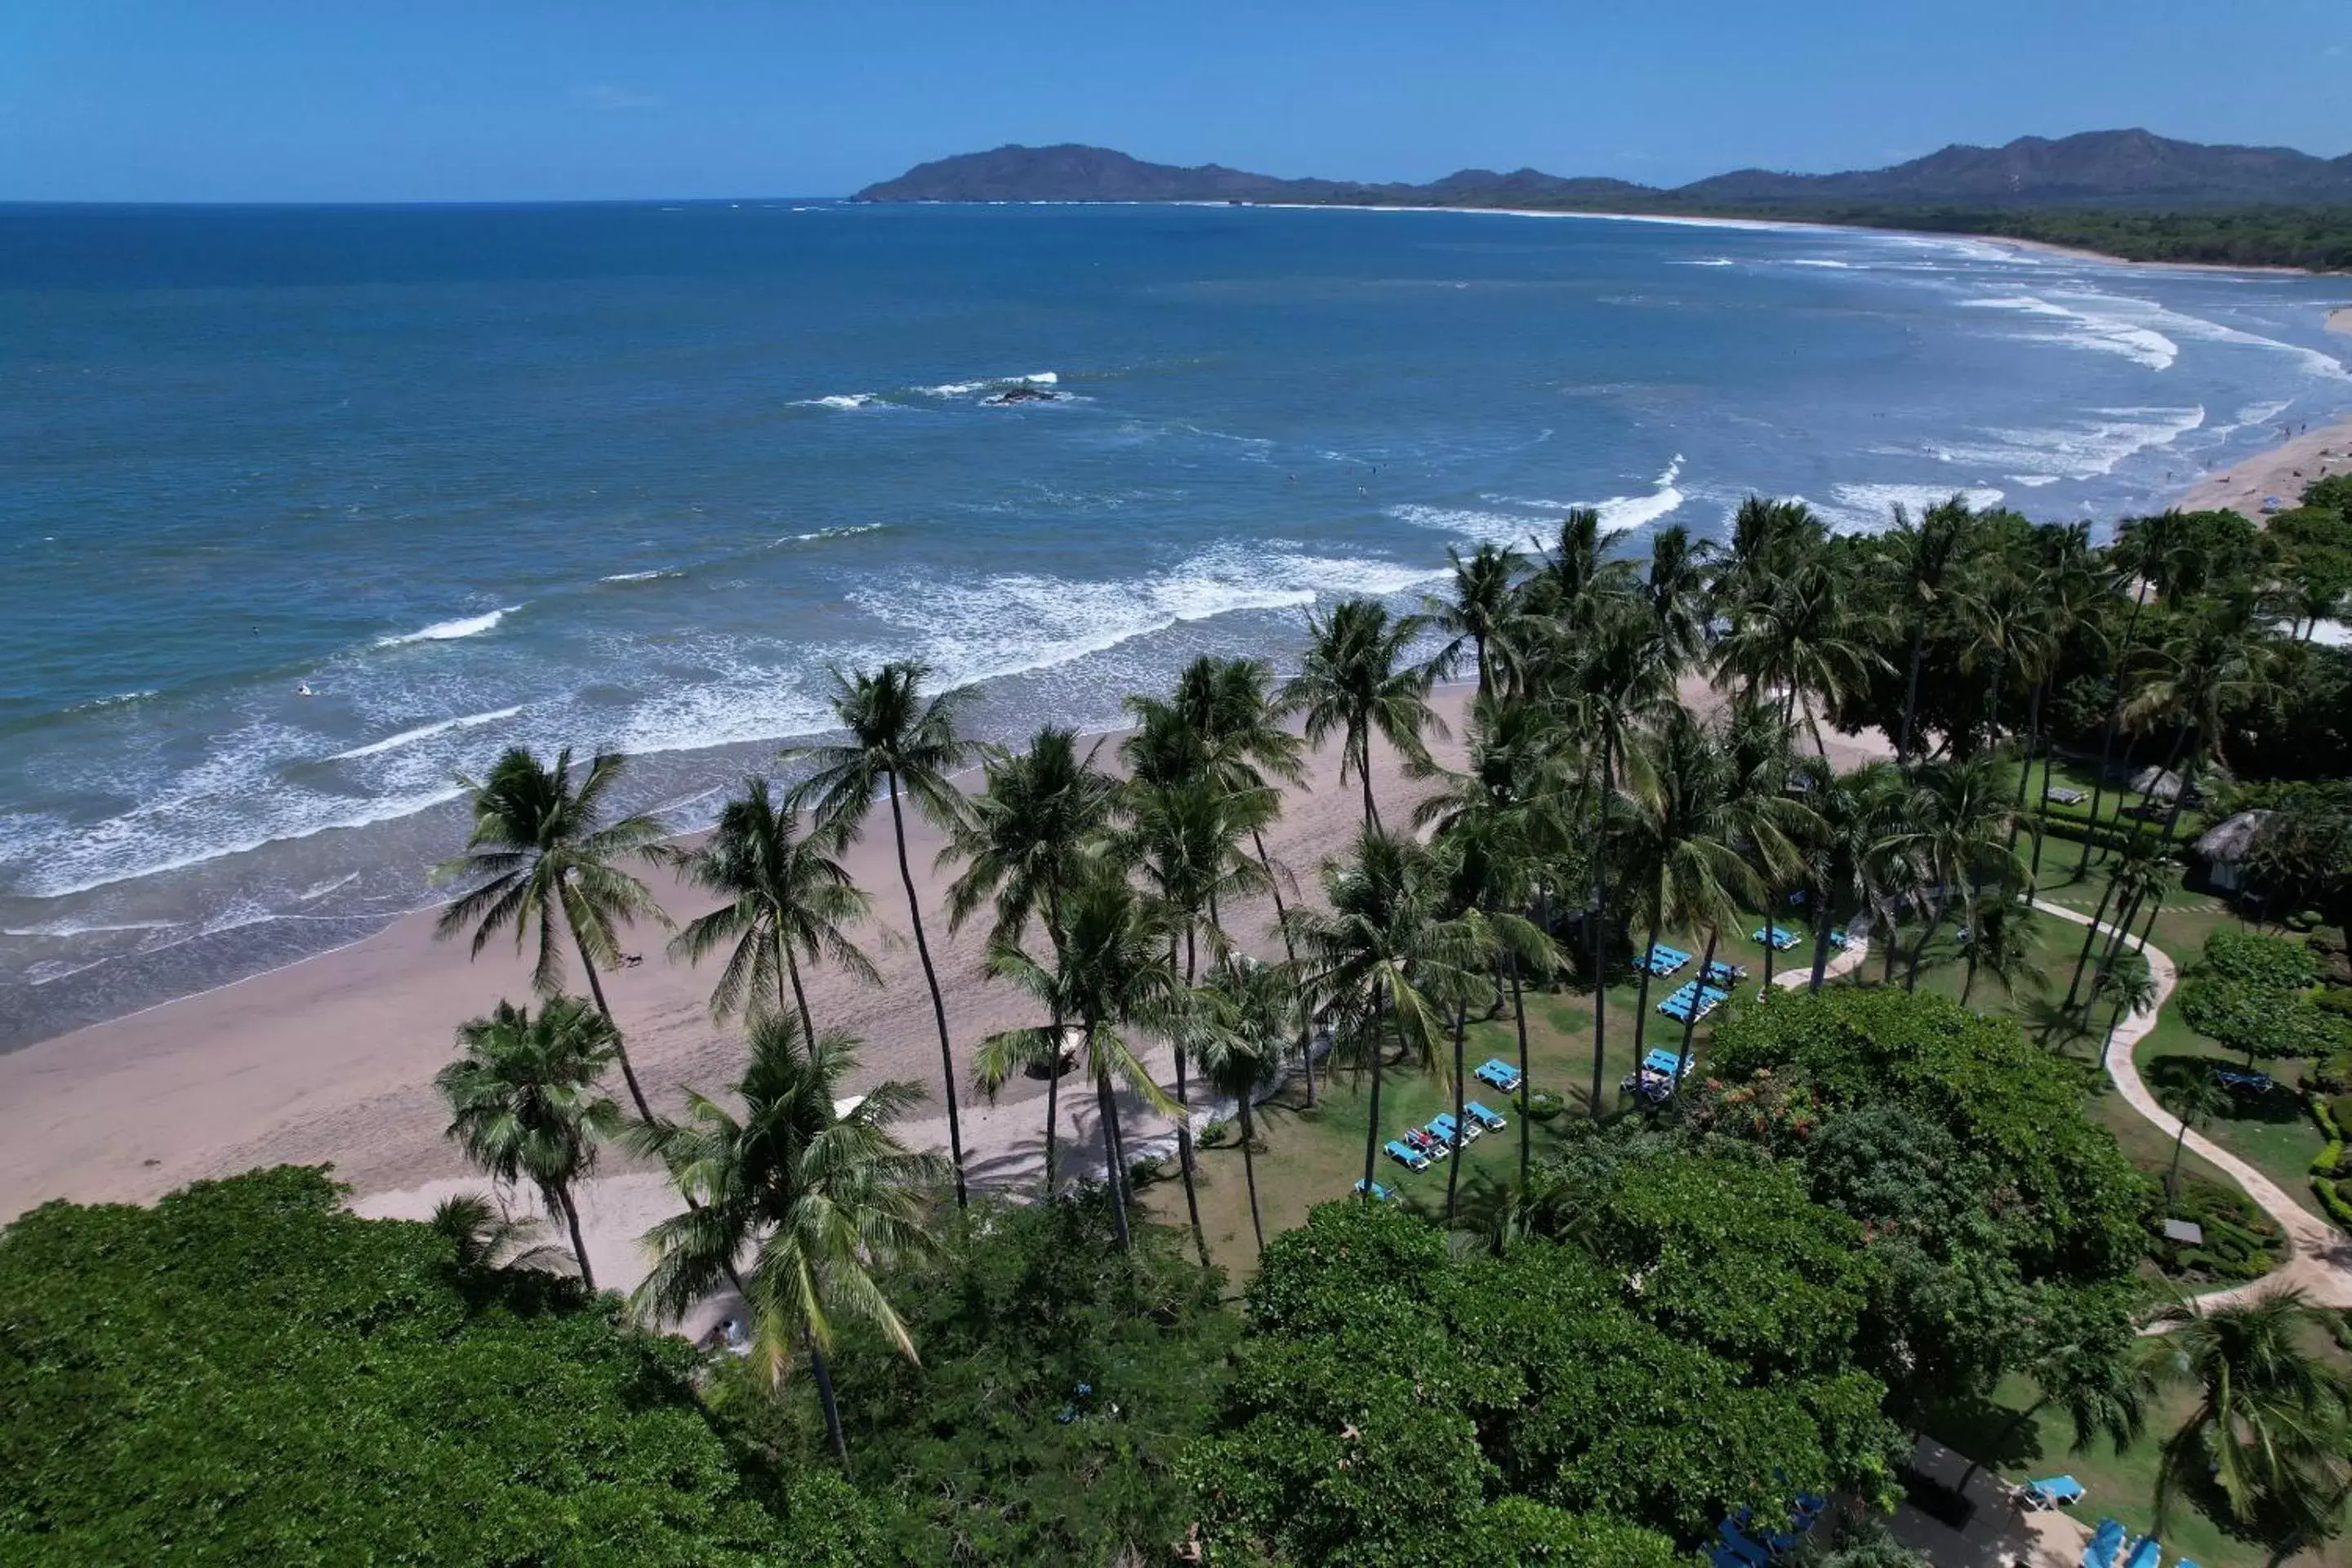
(2282, 472)
(332, 1059)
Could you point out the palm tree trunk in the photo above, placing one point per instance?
(1641, 996)
(800, 996)
(2107, 738)
(2025, 766)
(620, 1051)
(1053, 1107)
(1290, 953)
(1970, 983)
(561, 1198)
(1364, 772)
(2172, 1176)
(1519, 1018)
(1372, 1126)
(1690, 1025)
(2090, 935)
(1454, 1162)
(824, 1398)
(1114, 1172)
(1935, 924)
(1249, 1167)
(1911, 690)
(939, 1003)
(1599, 919)
(1772, 902)
(1184, 1117)
(1822, 926)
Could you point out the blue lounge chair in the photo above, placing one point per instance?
(1380, 1193)
(2255, 1082)
(1663, 960)
(1678, 1011)
(2057, 1491)
(1721, 973)
(2107, 1546)
(1483, 1117)
(1501, 1074)
(1443, 1124)
(1661, 1061)
(1747, 1550)
(1781, 940)
(2146, 1553)
(1837, 936)
(1721, 1556)
(1409, 1158)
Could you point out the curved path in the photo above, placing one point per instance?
(2319, 1257)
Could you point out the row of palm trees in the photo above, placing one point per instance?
(1592, 806)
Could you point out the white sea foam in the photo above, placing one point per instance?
(636, 576)
(93, 928)
(410, 737)
(1821, 261)
(2033, 481)
(840, 400)
(2150, 315)
(1709, 261)
(1869, 509)
(842, 532)
(986, 384)
(119, 699)
(2101, 330)
(449, 631)
(320, 889)
(2081, 449)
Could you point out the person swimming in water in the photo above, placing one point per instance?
(304, 691)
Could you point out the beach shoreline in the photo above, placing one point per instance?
(2281, 472)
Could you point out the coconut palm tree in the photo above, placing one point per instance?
(1480, 613)
(902, 746)
(523, 1102)
(2194, 1099)
(1616, 682)
(2003, 615)
(2131, 985)
(1674, 596)
(2004, 941)
(484, 1235)
(1505, 826)
(1770, 542)
(1844, 872)
(1236, 718)
(1246, 1013)
(1386, 959)
(1804, 636)
(1955, 837)
(2075, 588)
(1354, 681)
(2221, 662)
(788, 899)
(2269, 1426)
(1579, 584)
(809, 1184)
(541, 860)
(1760, 757)
(1922, 558)
(1187, 840)
(1031, 838)
(2141, 868)
(1701, 836)
(1113, 976)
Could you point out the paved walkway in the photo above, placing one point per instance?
(2319, 1259)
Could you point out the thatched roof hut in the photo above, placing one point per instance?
(2156, 783)
(2223, 848)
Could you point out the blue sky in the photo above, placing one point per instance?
(509, 100)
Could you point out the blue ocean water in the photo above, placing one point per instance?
(636, 475)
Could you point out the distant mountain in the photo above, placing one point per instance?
(2095, 169)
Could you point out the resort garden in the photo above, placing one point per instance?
(1622, 1152)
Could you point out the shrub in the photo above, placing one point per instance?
(2337, 999)
(2258, 1021)
(2240, 1241)
(2263, 962)
(1543, 1104)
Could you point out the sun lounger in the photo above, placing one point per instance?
(2255, 1082)
(1409, 1158)
(1483, 1117)
(1428, 1144)
(2063, 795)
(1442, 1125)
(1781, 940)
(1678, 1011)
(2146, 1553)
(1501, 1074)
(1380, 1193)
(1837, 936)
(1661, 1061)
(1722, 974)
(2107, 1546)
(1720, 1556)
(1663, 960)
(1747, 1550)
(2057, 1491)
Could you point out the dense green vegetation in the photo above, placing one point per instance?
(1881, 1202)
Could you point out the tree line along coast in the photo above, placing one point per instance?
(1723, 1253)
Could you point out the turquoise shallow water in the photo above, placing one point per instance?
(634, 475)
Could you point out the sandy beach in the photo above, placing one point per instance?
(332, 1059)
(2282, 472)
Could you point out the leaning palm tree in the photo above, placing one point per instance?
(523, 1102)
(1113, 977)
(2140, 870)
(542, 859)
(1804, 636)
(2270, 1425)
(1187, 841)
(1505, 826)
(810, 1186)
(2194, 1099)
(788, 899)
(2131, 986)
(1481, 614)
(1955, 835)
(2004, 941)
(485, 1235)
(1921, 558)
(2223, 662)
(1843, 871)
(1674, 596)
(1385, 959)
(1031, 838)
(1354, 681)
(1245, 1017)
(901, 745)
